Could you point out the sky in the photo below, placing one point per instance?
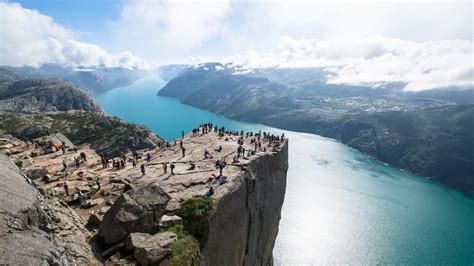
(427, 44)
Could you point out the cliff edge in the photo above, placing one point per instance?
(213, 197)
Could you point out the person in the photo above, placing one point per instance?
(134, 162)
(219, 149)
(66, 188)
(122, 163)
(207, 154)
(192, 167)
(63, 148)
(142, 169)
(183, 150)
(83, 156)
(221, 166)
(172, 168)
(81, 198)
(148, 157)
(209, 193)
(64, 165)
(165, 168)
(75, 149)
(78, 161)
(97, 181)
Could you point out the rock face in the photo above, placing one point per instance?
(149, 249)
(244, 227)
(42, 95)
(35, 230)
(103, 133)
(134, 211)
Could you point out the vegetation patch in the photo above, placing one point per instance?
(195, 213)
(185, 251)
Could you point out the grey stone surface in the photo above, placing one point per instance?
(134, 211)
(168, 221)
(149, 249)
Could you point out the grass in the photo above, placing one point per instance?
(185, 251)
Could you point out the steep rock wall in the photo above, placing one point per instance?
(243, 229)
(37, 230)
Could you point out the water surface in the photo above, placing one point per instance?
(340, 207)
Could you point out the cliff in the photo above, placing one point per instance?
(34, 229)
(157, 217)
(244, 226)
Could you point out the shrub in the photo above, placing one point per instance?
(195, 213)
(185, 251)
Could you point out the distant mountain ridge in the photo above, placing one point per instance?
(35, 107)
(44, 95)
(429, 133)
(91, 80)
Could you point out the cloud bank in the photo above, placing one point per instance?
(28, 37)
(373, 60)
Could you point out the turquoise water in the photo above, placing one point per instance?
(340, 206)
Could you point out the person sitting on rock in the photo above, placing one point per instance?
(219, 149)
(192, 167)
(211, 178)
(207, 154)
(83, 156)
(235, 160)
(209, 193)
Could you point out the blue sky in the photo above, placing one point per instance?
(360, 41)
(87, 17)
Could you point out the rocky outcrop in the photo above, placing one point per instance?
(36, 230)
(149, 249)
(134, 211)
(103, 133)
(44, 95)
(244, 227)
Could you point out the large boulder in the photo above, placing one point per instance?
(134, 211)
(150, 249)
(37, 173)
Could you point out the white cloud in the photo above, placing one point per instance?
(369, 60)
(28, 37)
(161, 28)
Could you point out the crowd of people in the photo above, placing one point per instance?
(258, 142)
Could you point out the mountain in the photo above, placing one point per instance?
(104, 134)
(168, 72)
(91, 80)
(31, 108)
(42, 95)
(428, 133)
